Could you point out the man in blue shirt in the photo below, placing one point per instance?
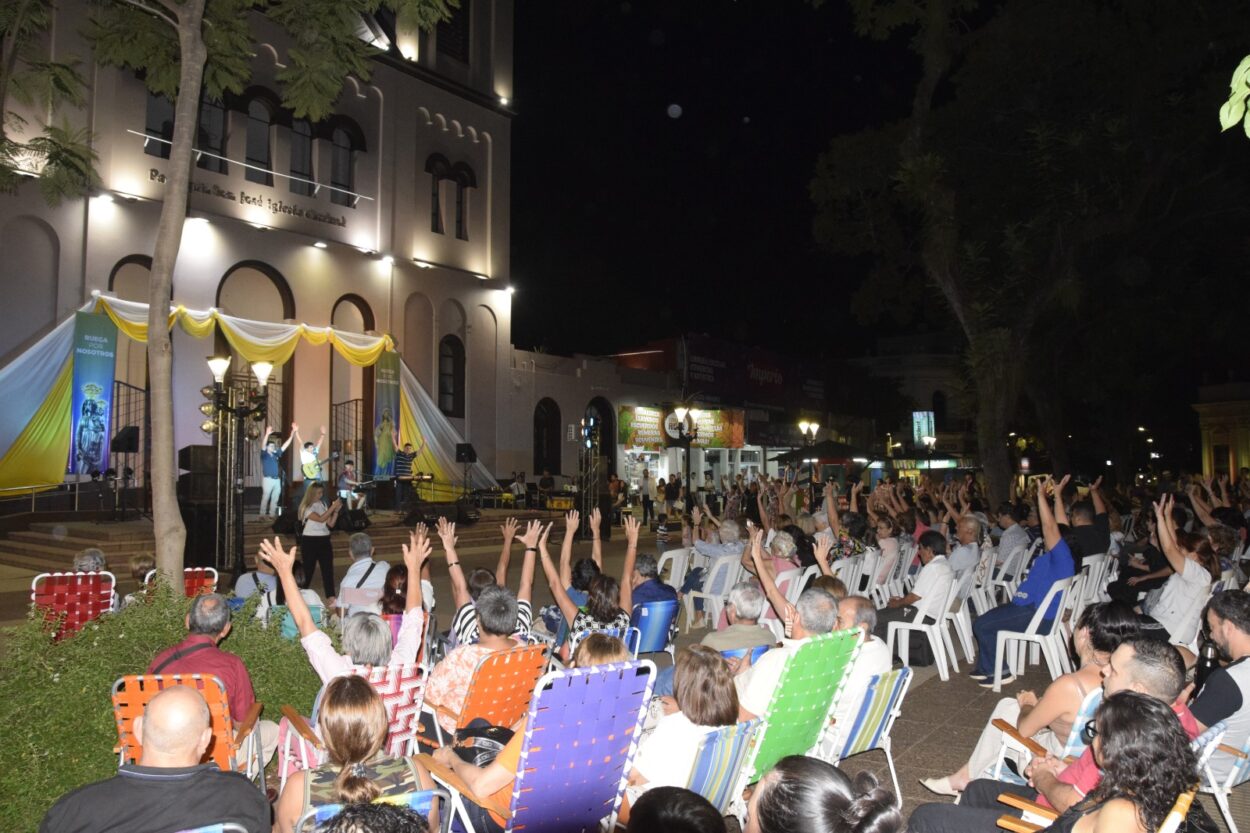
(271, 471)
(646, 582)
(1055, 564)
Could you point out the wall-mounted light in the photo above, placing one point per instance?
(320, 244)
(387, 259)
(503, 99)
(481, 277)
(512, 290)
(421, 264)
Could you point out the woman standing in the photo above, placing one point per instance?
(315, 545)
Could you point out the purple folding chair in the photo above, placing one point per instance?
(581, 735)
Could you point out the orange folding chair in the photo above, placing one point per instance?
(196, 581)
(499, 692)
(79, 597)
(233, 749)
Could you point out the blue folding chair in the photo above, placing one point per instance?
(870, 726)
(631, 636)
(719, 761)
(655, 621)
(420, 802)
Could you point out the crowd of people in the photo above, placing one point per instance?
(1145, 680)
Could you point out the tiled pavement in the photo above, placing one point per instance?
(938, 727)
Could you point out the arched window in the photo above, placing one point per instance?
(211, 136)
(547, 436)
(302, 158)
(451, 376)
(159, 124)
(342, 167)
(465, 179)
(439, 169)
(259, 153)
(453, 34)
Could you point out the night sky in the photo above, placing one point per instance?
(629, 224)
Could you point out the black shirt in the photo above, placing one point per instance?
(1095, 538)
(144, 799)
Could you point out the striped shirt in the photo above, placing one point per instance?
(403, 463)
(464, 626)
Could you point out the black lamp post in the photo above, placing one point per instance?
(685, 438)
(255, 406)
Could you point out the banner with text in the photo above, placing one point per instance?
(654, 429)
(385, 413)
(95, 357)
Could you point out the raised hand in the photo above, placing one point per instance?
(283, 561)
(824, 545)
(532, 532)
(323, 430)
(596, 517)
(572, 519)
(1063, 484)
(416, 552)
(421, 530)
(508, 528)
(789, 616)
(696, 516)
(1096, 485)
(447, 534)
(632, 528)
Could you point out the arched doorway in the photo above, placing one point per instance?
(547, 437)
(351, 391)
(601, 410)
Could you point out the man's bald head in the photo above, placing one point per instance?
(175, 728)
(969, 530)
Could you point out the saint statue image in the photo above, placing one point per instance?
(384, 445)
(90, 440)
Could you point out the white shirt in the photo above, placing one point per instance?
(934, 581)
(376, 582)
(873, 659)
(1180, 603)
(315, 529)
(666, 756)
(268, 599)
(647, 486)
(964, 557)
(1013, 537)
(756, 684)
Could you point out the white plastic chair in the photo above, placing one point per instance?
(896, 583)
(961, 617)
(1221, 789)
(796, 588)
(1009, 576)
(869, 566)
(1050, 643)
(716, 590)
(678, 561)
(930, 606)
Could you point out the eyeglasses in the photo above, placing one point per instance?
(1089, 733)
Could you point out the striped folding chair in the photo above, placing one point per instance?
(580, 738)
(630, 636)
(402, 688)
(70, 600)
(719, 760)
(799, 709)
(500, 691)
(196, 581)
(233, 749)
(870, 726)
(1223, 768)
(656, 624)
(738, 653)
(420, 802)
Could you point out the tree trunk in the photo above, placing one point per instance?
(993, 359)
(170, 533)
(1050, 424)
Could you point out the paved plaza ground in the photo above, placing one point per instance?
(940, 720)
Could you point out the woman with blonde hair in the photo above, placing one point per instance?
(353, 726)
(314, 541)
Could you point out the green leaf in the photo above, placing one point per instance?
(1233, 110)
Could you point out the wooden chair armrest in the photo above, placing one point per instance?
(1010, 731)
(1016, 825)
(248, 724)
(453, 781)
(1027, 806)
(1228, 750)
(299, 724)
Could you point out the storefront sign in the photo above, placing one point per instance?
(653, 428)
(922, 426)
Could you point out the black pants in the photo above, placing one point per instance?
(976, 812)
(918, 651)
(314, 550)
(648, 510)
(402, 488)
(1120, 591)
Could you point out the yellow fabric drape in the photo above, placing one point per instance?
(409, 433)
(39, 453)
(360, 350)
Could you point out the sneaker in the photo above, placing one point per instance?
(939, 786)
(980, 678)
(1008, 679)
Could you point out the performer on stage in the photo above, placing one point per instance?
(347, 484)
(308, 461)
(403, 472)
(315, 546)
(271, 471)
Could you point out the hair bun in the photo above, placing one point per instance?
(874, 809)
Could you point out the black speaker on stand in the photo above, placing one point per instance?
(466, 454)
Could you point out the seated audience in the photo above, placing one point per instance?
(933, 581)
(888, 533)
(262, 579)
(1226, 693)
(360, 590)
(743, 609)
(465, 592)
(806, 795)
(208, 623)
(90, 560)
(726, 544)
(1091, 527)
(1143, 567)
(353, 725)
(674, 810)
(1049, 720)
(576, 577)
(1195, 568)
(494, 781)
(1014, 536)
(168, 789)
(140, 566)
(703, 700)
(382, 817)
(609, 602)
(1053, 565)
(277, 597)
(395, 590)
(872, 660)
(646, 582)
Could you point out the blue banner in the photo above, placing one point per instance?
(385, 414)
(95, 357)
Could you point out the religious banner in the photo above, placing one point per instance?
(95, 357)
(385, 413)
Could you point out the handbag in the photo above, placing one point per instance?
(479, 743)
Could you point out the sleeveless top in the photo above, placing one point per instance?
(1068, 819)
(394, 776)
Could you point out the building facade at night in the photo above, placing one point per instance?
(391, 216)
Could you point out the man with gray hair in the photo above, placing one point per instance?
(208, 623)
(859, 613)
(90, 560)
(646, 582)
(361, 589)
(817, 613)
(169, 788)
(744, 609)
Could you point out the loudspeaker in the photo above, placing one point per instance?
(286, 524)
(197, 486)
(353, 520)
(126, 441)
(465, 453)
(198, 458)
(459, 512)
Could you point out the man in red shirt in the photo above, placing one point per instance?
(1140, 664)
(208, 624)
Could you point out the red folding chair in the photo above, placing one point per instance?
(78, 597)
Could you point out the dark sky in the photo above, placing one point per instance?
(629, 224)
